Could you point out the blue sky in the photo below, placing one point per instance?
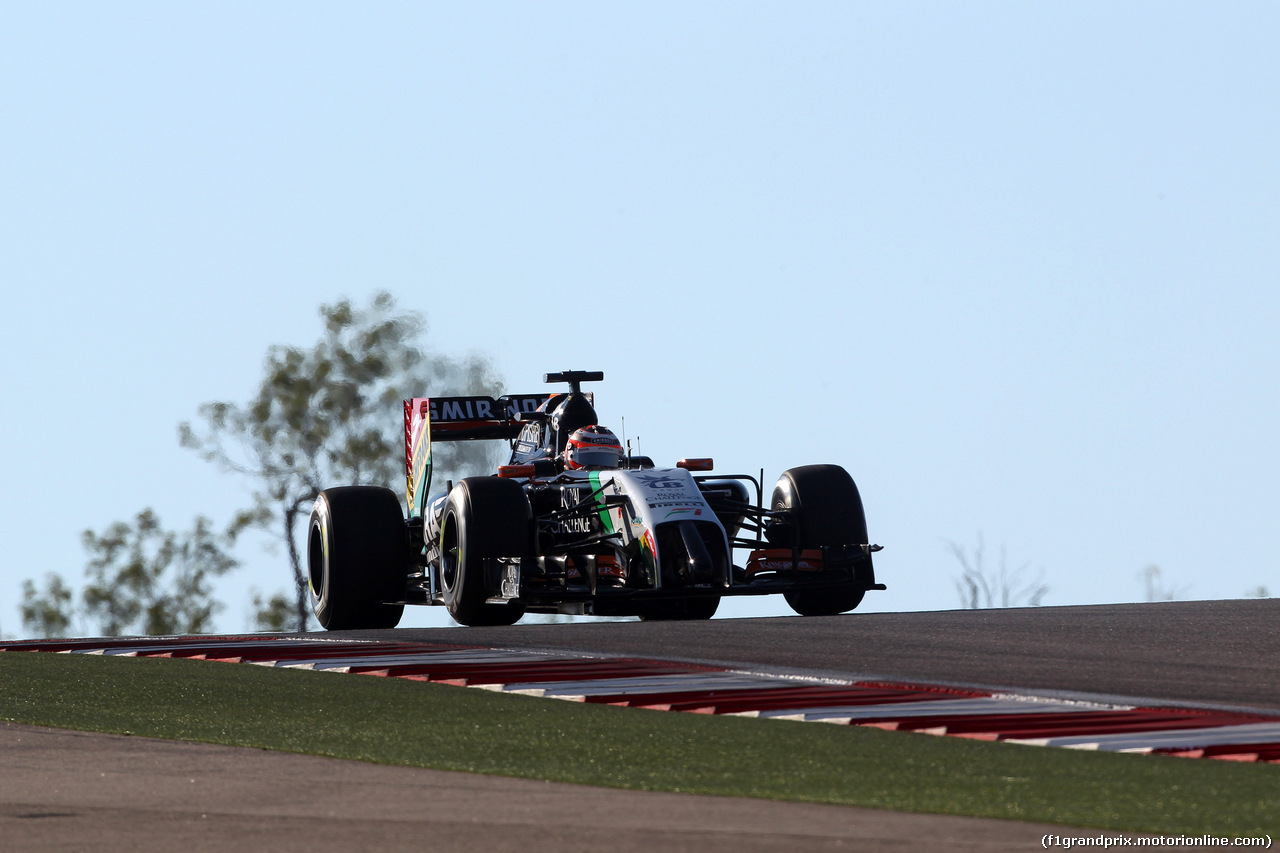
(1015, 265)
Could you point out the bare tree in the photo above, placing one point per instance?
(980, 587)
(1156, 589)
(331, 415)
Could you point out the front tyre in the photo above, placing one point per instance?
(485, 518)
(826, 509)
(357, 557)
(684, 610)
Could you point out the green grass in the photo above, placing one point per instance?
(427, 725)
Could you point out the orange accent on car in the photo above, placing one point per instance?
(784, 560)
(695, 464)
(608, 566)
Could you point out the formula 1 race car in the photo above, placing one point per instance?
(575, 524)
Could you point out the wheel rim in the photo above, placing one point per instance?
(450, 556)
(315, 561)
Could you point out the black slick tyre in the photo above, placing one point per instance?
(685, 610)
(826, 509)
(485, 518)
(357, 558)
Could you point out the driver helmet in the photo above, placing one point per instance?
(593, 447)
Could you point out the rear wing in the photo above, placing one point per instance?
(428, 419)
(471, 418)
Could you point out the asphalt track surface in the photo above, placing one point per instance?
(76, 791)
(1224, 653)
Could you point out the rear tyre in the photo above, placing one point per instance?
(357, 558)
(826, 510)
(485, 517)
